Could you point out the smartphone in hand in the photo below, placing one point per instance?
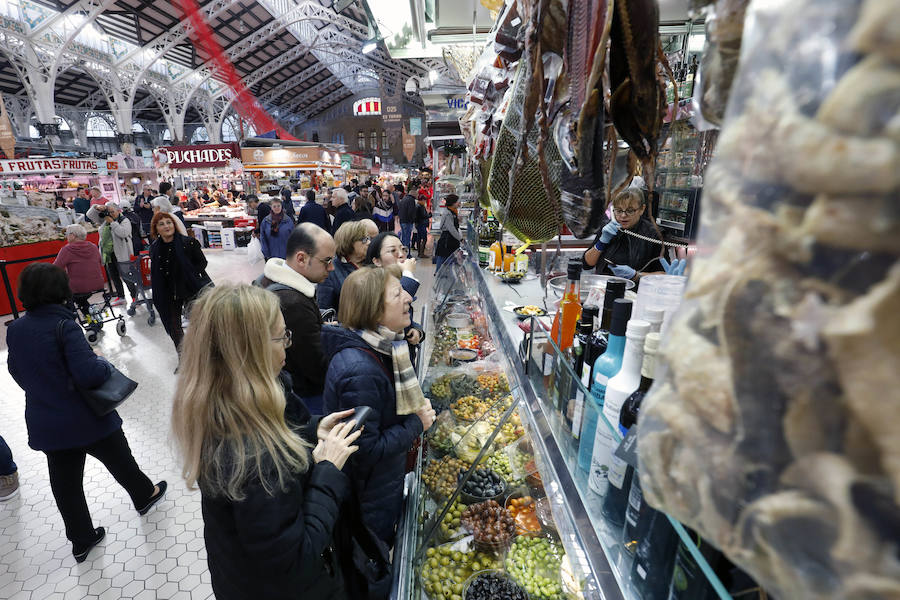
(359, 415)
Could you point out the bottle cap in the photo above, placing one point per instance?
(585, 326)
(574, 268)
(637, 329)
(614, 291)
(620, 315)
(651, 342)
(655, 317)
(590, 312)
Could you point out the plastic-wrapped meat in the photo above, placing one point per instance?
(724, 32)
(774, 430)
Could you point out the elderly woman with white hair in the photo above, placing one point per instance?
(162, 204)
(80, 259)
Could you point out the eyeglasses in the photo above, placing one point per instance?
(627, 212)
(285, 339)
(365, 240)
(324, 261)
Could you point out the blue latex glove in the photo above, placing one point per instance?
(676, 268)
(622, 271)
(609, 232)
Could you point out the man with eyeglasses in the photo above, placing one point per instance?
(310, 257)
(617, 253)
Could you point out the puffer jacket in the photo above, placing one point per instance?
(328, 293)
(56, 415)
(121, 233)
(359, 376)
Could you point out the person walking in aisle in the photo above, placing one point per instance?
(115, 247)
(450, 237)
(270, 476)
(81, 261)
(407, 214)
(177, 273)
(50, 359)
(369, 366)
(274, 231)
(313, 212)
(342, 210)
(144, 210)
(9, 473)
(351, 243)
(162, 204)
(310, 259)
(383, 211)
(287, 204)
(423, 217)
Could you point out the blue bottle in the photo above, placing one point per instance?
(606, 365)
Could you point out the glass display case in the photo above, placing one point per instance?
(496, 496)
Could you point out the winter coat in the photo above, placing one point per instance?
(120, 229)
(287, 204)
(81, 204)
(271, 546)
(304, 360)
(422, 216)
(328, 293)
(192, 265)
(263, 210)
(274, 245)
(407, 211)
(360, 376)
(628, 250)
(56, 415)
(313, 212)
(137, 244)
(342, 214)
(81, 260)
(145, 213)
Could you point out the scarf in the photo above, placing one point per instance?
(410, 398)
(276, 221)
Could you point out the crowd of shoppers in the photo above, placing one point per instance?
(263, 416)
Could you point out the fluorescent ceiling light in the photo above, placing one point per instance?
(369, 45)
(433, 75)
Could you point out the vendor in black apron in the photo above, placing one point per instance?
(615, 252)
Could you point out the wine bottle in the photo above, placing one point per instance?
(688, 580)
(580, 347)
(616, 502)
(563, 330)
(654, 558)
(614, 291)
(605, 366)
(584, 359)
(625, 378)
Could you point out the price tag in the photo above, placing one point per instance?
(627, 450)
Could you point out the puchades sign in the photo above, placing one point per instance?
(199, 157)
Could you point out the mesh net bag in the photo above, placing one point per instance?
(526, 211)
(774, 431)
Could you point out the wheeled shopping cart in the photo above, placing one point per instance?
(139, 274)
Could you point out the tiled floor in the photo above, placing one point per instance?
(161, 555)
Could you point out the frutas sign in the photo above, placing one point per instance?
(200, 157)
(46, 165)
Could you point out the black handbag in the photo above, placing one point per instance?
(106, 397)
(365, 559)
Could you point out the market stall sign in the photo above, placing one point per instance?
(48, 165)
(281, 158)
(201, 156)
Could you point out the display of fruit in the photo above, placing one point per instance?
(450, 524)
(493, 586)
(491, 525)
(445, 571)
(534, 563)
(483, 483)
(470, 408)
(493, 384)
(499, 463)
(441, 475)
(524, 512)
(440, 435)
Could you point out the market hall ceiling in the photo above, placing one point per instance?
(308, 55)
